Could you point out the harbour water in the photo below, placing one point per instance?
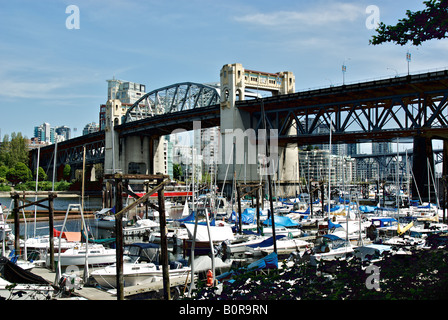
(60, 204)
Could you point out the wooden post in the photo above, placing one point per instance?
(311, 199)
(258, 210)
(51, 227)
(163, 242)
(15, 211)
(272, 213)
(119, 237)
(240, 223)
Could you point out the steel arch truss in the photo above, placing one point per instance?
(69, 153)
(361, 119)
(94, 154)
(173, 98)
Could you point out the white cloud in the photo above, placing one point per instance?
(316, 16)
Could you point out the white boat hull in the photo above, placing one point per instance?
(134, 274)
(10, 291)
(76, 256)
(340, 253)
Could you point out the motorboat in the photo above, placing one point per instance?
(283, 226)
(218, 234)
(283, 244)
(330, 247)
(140, 227)
(105, 219)
(96, 254)
(372, 252)
(42, 244)
(19, 284)
(238, 245)
(141, 265)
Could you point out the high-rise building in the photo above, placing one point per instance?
(381, 148)
(44, 133)
(90, 128)
(62, 133)
(125, 91)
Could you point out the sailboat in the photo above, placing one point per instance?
(82, 253)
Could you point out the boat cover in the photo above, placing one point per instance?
(367, 209)
(335, 208)
(247, 217)
(14, 274)
(268, 262)
(189, 218)
(332, 225)
(266, 243)
(220, 233)
(281, 221)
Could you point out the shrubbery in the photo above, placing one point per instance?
(421, 275)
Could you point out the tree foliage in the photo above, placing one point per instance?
(419, 26)
(177, 171)
(421, 275)
(67, 171)
(19, 174)
(13, 150)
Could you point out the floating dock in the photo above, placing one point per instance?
(92, 293)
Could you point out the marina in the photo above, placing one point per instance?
(205, 247)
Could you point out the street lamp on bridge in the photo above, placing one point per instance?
(344, 70)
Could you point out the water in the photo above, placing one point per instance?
(60, 203)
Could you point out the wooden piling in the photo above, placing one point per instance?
(51, 227)
(119, 237)
(163, 241)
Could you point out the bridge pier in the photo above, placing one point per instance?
(422, 184)
(130, 154)
(243, 151)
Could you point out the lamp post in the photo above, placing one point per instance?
(344, 70)
(408, 59)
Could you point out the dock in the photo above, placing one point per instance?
(93, 293)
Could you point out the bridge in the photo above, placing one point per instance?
(413, 106)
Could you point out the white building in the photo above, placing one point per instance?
(314, 166)
(125, 91)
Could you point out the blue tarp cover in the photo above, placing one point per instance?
(268, 262)
(333, 208)
(266, 243)
(367, 209)
(247, 216)
(332, 225)
(281, 221)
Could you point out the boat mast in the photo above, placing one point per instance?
(35, 197)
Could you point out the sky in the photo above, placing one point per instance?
(51, 72)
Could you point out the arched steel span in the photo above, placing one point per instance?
(173, 98)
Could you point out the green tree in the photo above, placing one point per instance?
(67, 171)
(177, 171)
(14, 150)
(42, 175)
(419, 26)
(3, 171)
(20, 173)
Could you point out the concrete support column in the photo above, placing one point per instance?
(422, 155)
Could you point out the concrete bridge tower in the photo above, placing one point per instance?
(238, 138)
(133, 154)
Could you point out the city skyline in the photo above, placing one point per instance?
(50, 73)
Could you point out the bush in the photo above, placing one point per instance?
(62, 186)
(4, 187)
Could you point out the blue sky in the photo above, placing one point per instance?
(49, 73)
